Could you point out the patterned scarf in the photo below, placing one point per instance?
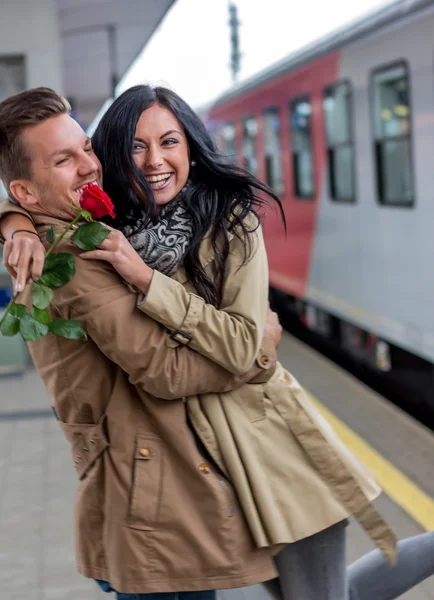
(162, 244)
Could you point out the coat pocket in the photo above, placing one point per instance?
(88, 442)
(147, 483)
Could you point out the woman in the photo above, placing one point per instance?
(152, 138)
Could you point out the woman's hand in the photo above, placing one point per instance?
(23, 257)
(117, 250)
(273, 328)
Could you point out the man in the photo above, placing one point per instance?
(151, 509)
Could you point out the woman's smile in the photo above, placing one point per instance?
(159, 182)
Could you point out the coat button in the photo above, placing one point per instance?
(204, 468)
(144, 452)
(264, 360)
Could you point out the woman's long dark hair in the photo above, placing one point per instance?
(220, 196)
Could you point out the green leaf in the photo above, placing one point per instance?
(10, 326)
(41, 295)
(31, 329)
(50, 235)
(58, 270)
(90, 235)
(68, 329)
(18, 310)
(41, 315)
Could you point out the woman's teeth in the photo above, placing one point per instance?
(158, 181)
(154, 178)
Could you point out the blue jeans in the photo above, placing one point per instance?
(206, 595)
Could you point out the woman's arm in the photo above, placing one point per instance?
(229, 336)
(23, 256)
(12, 222)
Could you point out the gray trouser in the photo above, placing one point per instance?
(371, 576)
(313, 568)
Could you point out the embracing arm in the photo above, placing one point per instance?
(12, 218)
(101, 301)
(231, 335)
(23, 256)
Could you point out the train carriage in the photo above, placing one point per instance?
(343, 131)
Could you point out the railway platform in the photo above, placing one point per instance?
(37, 481)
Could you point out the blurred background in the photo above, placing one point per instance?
(332, 104)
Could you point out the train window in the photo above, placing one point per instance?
(340, 147)
(392, 131)
(272, 150)
(250, 130)
(301, 138)
(228, 134)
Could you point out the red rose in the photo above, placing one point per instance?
(95, 200)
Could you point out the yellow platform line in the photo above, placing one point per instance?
(396, 485)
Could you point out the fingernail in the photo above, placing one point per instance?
(19, 287)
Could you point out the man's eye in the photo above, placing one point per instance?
(61, 161)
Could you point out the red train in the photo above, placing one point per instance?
(343, 131)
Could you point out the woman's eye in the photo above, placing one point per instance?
(170, 141)
(137, 147)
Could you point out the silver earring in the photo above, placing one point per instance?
(193, 163)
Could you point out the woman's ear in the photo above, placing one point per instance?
(23, 192)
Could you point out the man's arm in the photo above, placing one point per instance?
(101, 301)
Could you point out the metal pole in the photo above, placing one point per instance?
(113, 57)
(234, 40)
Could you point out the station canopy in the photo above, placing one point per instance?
(99, 40)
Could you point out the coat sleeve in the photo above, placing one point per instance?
(231, 335)
(107, 309)
(6, 208)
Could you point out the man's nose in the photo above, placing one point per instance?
(88, 164)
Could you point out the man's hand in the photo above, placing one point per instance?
(23, 257)
(273, 328)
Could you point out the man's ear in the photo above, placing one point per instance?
(23, 192)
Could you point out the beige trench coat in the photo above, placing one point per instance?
(292, 475)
